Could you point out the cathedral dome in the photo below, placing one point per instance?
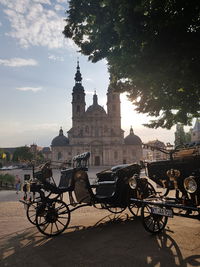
(60, 140)
(132, 139)
(95, 108)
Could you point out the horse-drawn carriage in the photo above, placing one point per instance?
(118, 188)
(180, 177)
(51, 212)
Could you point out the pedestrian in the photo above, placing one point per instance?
(17, 183)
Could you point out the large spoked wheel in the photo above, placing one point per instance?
(152, 223)
(135, 208)
(52, 218)
(114, 210)
(31, 211)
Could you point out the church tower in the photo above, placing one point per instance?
(78, 98)
(114, 112)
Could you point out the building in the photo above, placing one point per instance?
(95, 130)
(150, 154)
(195, 132)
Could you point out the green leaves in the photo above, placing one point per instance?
(152, 49)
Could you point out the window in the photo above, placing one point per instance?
(59, 155)
(115, 155)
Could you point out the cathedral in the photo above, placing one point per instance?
(97, 131)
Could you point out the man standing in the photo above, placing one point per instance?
(17, 184)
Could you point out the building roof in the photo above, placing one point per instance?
(132, 139)
(60, 140)
(95, 108)
(46, 149)
(156, 143)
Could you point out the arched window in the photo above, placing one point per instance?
(59, 155)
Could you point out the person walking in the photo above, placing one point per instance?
(17, 184)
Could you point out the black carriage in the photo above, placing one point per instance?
(180, 177)
(51, 213)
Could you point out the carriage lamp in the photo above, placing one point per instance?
(190, 184)
(133, 182)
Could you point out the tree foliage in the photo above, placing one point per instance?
(22, 153)
(152, 50)
(181, 137)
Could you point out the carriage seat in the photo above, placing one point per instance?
(66, 180)
(66, 183)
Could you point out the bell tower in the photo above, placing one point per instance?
(78, 97)
(113, 108)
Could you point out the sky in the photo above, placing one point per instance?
(37, 68)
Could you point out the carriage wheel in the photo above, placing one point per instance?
(53, 219)
(31, 211)
(135, 208)
(151, 190)
(114, 209)
(152, 223)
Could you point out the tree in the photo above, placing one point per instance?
(181, 137)
(152, 50)
(22, 153)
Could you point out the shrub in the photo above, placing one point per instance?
(7, 179)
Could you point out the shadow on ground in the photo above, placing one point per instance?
(116, 240)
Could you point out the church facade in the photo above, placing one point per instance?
(95, 130)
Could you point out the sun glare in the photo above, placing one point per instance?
(129, 117)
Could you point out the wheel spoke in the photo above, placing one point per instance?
(61, 217)
(60, 222)
(56, 226)
(51, 228)
(46, 226)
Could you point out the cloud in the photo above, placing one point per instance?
(0, 24)
(33, 89)
(89, 92)
(36, 23)
(59, 7)
(55, 58)
(61, 1)
(88, 79)
(18, 62)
